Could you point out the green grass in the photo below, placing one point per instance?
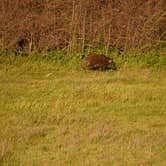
(62, 115)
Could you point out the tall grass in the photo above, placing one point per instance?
(148, 56)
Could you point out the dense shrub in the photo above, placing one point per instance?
(77, 25)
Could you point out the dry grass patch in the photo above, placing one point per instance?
(82, 118)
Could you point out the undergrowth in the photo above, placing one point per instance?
(149, 56)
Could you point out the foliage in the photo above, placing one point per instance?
(67, 25)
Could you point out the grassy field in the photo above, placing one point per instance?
(55, 116)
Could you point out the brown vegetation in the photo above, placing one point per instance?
(73, 24)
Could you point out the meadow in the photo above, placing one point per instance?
(54, 114)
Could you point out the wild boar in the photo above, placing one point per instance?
(99, 62)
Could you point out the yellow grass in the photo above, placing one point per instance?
(81, 118)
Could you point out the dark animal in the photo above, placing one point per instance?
(22, 44)
(99, 62)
